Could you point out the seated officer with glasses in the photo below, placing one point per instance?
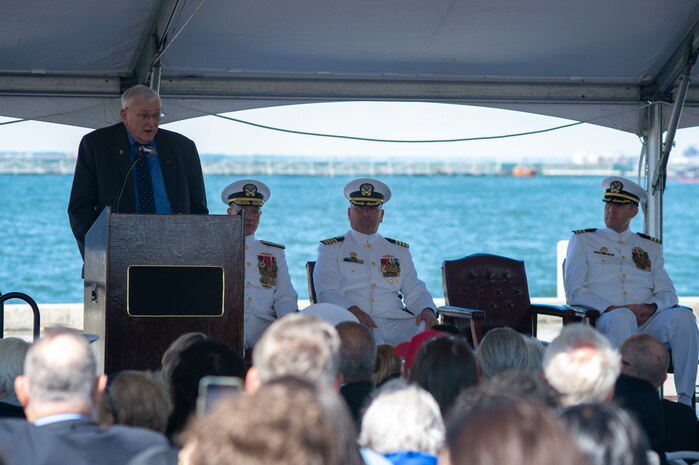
(370, 275)
(166, 178)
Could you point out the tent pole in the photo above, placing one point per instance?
(653, 222)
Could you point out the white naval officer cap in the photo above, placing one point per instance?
(365, 192)
(621, 190)
(246, 192)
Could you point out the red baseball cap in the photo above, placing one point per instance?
(409, 349)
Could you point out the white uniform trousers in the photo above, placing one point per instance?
(675, 327)
(393, 331)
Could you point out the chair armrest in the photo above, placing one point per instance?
(583, 311)
(561, 311)
(461, 312)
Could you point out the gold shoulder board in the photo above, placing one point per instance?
(393, 241)
(273, 244)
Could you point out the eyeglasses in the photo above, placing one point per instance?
(146, 117)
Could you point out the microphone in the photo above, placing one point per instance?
(141, 151)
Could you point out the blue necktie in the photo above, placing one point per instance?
(146, 201)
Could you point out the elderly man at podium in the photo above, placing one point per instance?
(268, 291)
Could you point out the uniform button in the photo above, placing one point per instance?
(248, 263)
(623, 275)
(369, 246)
(626, 293)
(371, 300)
(373, 263)
(249, 283)
(623, 258)
(352, 271)
(373, 284)
(249, 299)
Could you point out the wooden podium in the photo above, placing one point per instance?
(151, 278)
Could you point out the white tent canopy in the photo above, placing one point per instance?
(600, 61)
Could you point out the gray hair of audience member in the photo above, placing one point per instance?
(298, 345)
(402, 417)
(606, 434)
(135, 398)
(13, 351)
(387, 364)
(138, 93)
(61, 367)
(357, 351)
(510, 431)
(171, 356)
(645, 357)
(285, 421)
(502, 349)
(582, 365)
(535, 353)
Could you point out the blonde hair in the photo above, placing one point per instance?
(387, 363)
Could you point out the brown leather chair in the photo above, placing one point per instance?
(484, 291)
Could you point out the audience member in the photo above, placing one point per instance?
(444, 367)
(387, 365)
(409, 349)
(502, 349)
(284, 422)
(510, 431)
(535, 353)
(59, 390)
(582, 365)
(207, 357)
(135, 398)
(404, 424)
(171, 356)
(12, 353)
(296, 345)
(357, 362)
(646, 358)
(607, 435)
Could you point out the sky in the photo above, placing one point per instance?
(424, 121)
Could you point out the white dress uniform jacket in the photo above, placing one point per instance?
(373, 273)
(605, 268)
(268, 291)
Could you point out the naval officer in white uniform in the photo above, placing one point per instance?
(622, 274)
(370, 275)
(268, 291)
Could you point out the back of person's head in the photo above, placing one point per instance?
(508, 431)
(135, 398)
(357, 351)
(535, 353)
(606, 434)
(387, 364)
(13, 351)
(526, 385)
(284, 422)
(502, 349)
(402, 417)
(138, 93)
(61, 368)
(645, 357)
(207, 357)
(582, 365)
(298, 345)
(444, 367)
(171, 356)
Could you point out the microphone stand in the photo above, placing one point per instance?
(141, 151)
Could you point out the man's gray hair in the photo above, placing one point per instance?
(402, 417)
(502, 349)
(13, 351)
(298, 345)
(138, 93)
(357, 351)
(582, 365)
(60, 367)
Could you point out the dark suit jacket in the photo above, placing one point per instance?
(103, 161)
(112, 446)
(681, 427)
(357, 395)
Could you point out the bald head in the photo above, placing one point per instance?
(60, 376)
(645, 357)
